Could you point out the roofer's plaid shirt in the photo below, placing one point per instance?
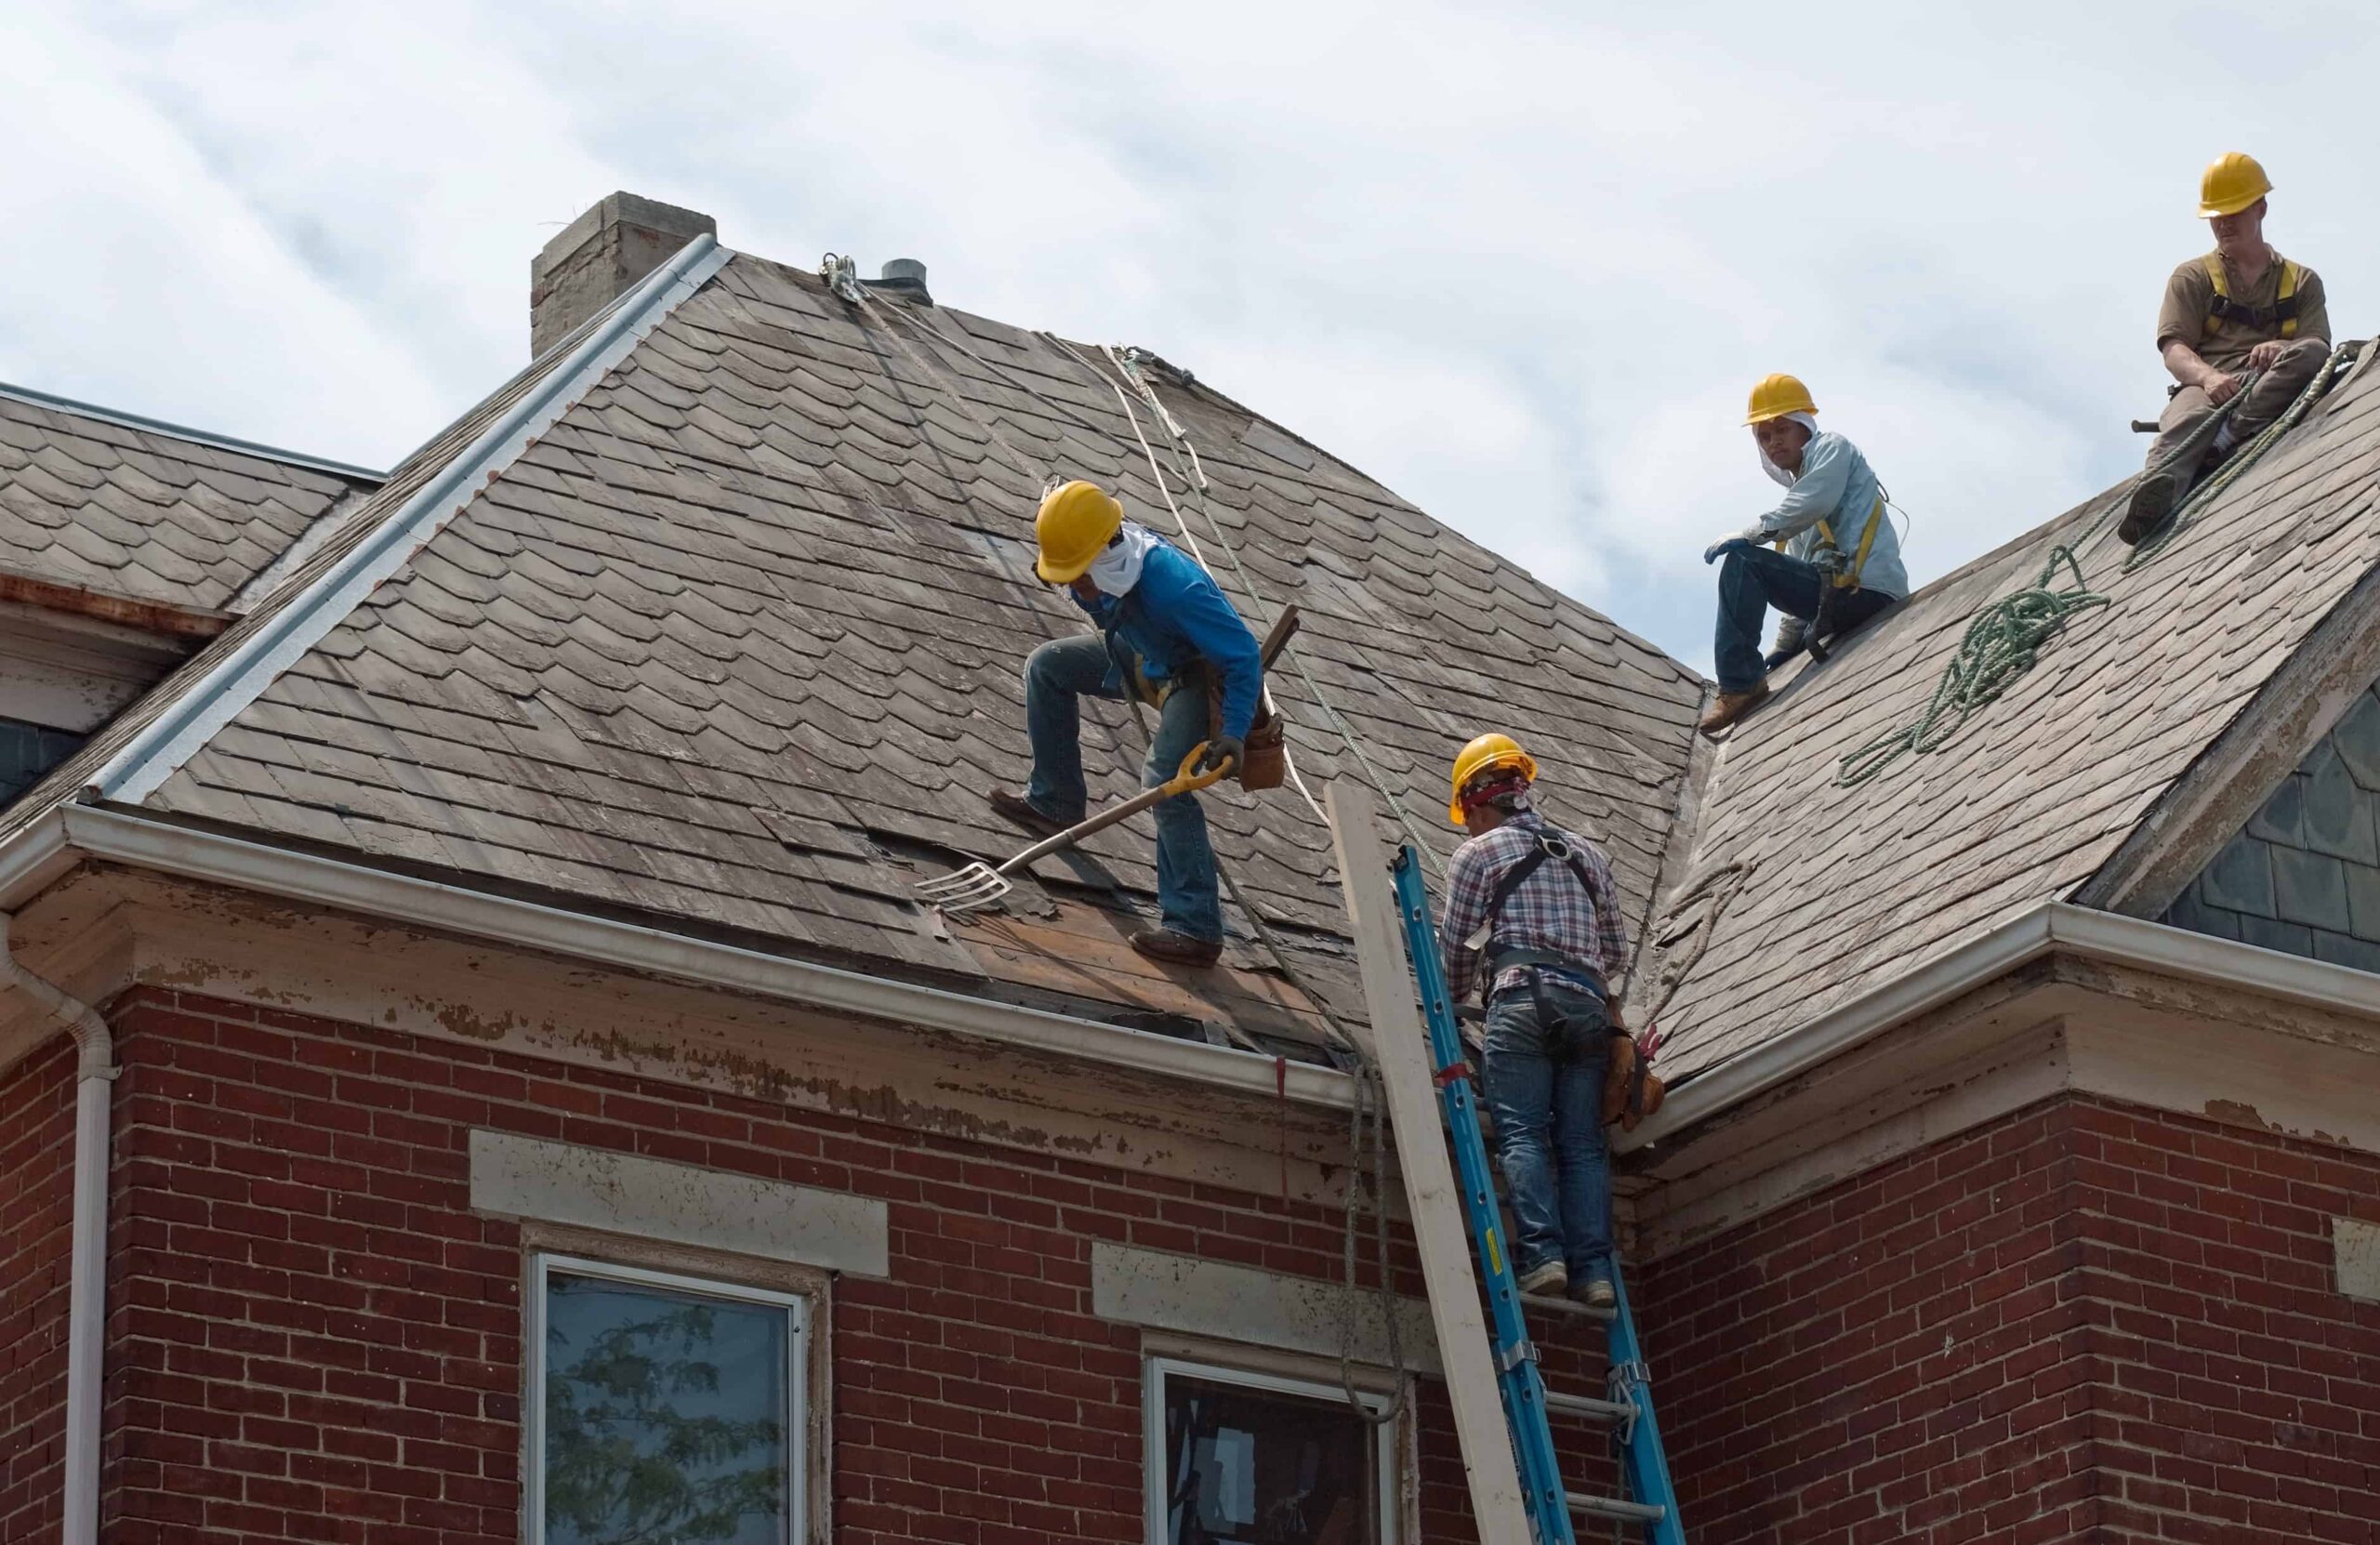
(1548, 911)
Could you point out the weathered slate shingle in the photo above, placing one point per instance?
(138, 513)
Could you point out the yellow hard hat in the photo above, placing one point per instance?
(1486, 754)
(2233, 182)
(1075, 521)
(1776, 396)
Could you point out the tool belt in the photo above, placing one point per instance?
(1561, 1043)
(1632, 1091)
(1266, 759)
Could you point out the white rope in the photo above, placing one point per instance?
(1197, 482)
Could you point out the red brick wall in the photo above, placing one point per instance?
(37, 1220)
(2080, 1322)
(314, 1339)
(2242, 1392)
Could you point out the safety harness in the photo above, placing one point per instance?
(1847, 578)
(2223, 309)
(1842, 578)
(1625, 1091)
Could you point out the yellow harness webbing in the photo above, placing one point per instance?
(2284, 305)
(1849, 578)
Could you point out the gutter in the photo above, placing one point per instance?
(148, 844)
(86, 1271)
(232, 682)
(2050, 927)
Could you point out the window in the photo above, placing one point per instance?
(28, 751)
(662, 1407)
(1246, 1458)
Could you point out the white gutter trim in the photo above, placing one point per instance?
(87, 1252)
(2049, 927)
(234, 682)
(2120, 939)
(150, 844)
(32, 858)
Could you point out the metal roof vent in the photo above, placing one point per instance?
(903, 276)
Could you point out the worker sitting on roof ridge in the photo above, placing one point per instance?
(1553, 939)
(2242, 309)
(1845, 566)
(1170, 636)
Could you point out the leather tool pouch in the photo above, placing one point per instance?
(1267, 762)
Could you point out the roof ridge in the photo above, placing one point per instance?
(182, 432)
(205, 704)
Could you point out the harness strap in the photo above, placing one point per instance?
(1849, 578)
(2223, 308)
(1548, 845)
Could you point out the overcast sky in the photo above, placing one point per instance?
(1519, 263)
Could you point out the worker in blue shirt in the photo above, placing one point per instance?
(1169, 638)
(1843, 565)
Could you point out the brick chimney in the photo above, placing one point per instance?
(600, 256)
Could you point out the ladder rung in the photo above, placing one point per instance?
(1612, 1507)
(1546, 1304)
(1585, 1405)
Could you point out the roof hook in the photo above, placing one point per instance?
(841, 275)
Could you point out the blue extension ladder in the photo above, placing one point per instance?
(1645, 1470)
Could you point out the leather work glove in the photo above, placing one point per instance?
(1751, 536)
(1223, 750)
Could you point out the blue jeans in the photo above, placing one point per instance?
(1753, 579)
(1057, 677)
(1548, 1129)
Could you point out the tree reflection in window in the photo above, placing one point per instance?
(1250, 1467)
(665, 1417)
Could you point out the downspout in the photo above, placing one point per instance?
(86, 1279)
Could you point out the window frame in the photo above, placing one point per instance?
(1155, 1369)
(798, 1310)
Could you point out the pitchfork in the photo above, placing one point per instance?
(979, 884)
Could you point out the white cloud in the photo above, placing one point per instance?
(1521, 263)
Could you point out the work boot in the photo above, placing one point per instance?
(1166, 947)
(1020, 812)
(2153, 498)
(1595, 1293)
(1732, 706)
(1551, 1279)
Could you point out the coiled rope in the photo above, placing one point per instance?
(2005, 640)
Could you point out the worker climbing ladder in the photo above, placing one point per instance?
(1516, 1488)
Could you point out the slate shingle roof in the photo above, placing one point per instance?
(737, 643)
(1849, 887)
(99, 504)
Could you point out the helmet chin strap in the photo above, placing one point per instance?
(1508, 793)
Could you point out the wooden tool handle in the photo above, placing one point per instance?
(1285, 626)
(1184, 781)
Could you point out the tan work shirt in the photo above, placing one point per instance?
(2189, 300)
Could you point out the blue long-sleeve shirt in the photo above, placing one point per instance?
(1835, 485)
(1175, 614)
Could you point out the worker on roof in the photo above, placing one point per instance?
(1169, 635)
(2241, 314)
(1539, 908)
(1843, 565)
